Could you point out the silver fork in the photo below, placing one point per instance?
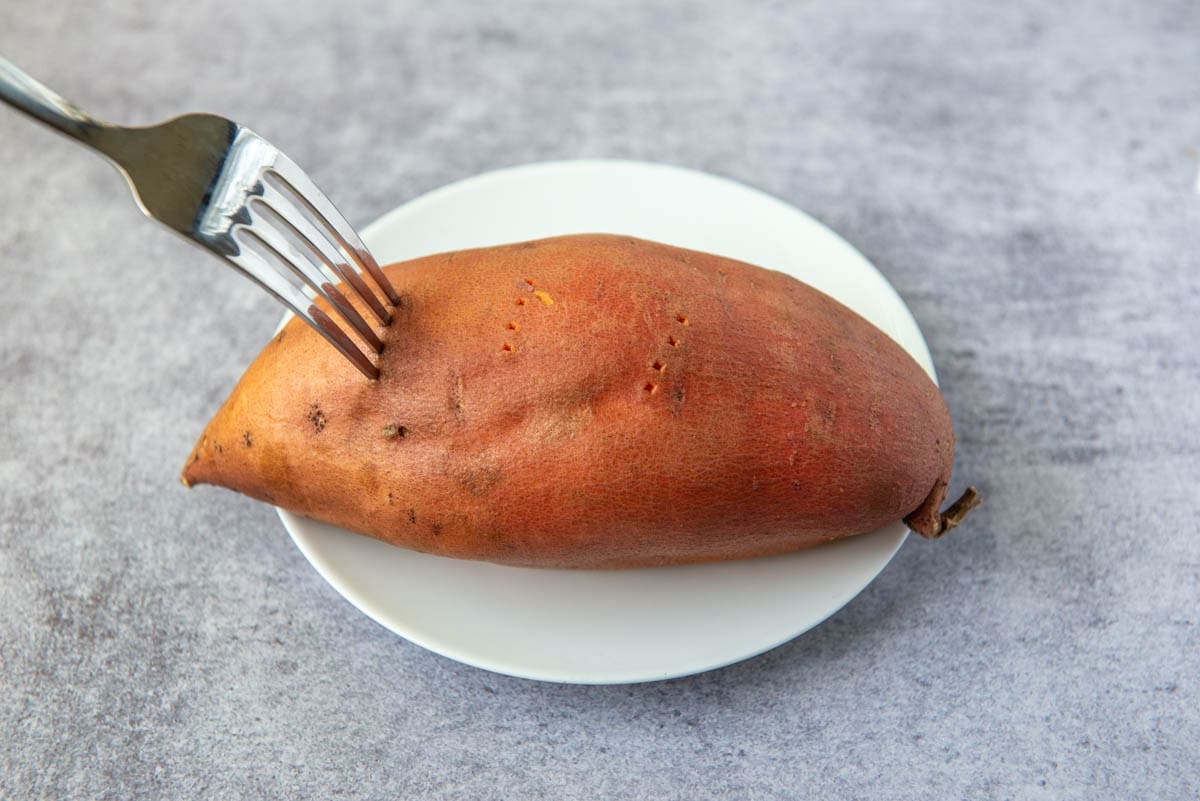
(229, 190)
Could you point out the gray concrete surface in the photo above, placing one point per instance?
(1024, 173)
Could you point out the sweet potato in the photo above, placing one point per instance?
(594, 401)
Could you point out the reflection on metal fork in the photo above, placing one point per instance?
(229, 190)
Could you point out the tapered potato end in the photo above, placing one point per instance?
(245, 445)
(197, 468)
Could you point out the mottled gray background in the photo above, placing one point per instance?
(1024, 174)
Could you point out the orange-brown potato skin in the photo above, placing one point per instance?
(592, 401)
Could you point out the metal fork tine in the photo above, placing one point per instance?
(308, 262)
(255, 257)
(335, 224)
(351, 315)
(300, 219)
(337, 337)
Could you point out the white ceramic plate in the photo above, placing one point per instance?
(593, 627)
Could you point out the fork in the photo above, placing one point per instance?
(227, 189)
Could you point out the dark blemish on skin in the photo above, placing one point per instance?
(317, 418)
(825, 416)
(658, 365)
(512, 326)
(436, 528)
(650, 388)
(394, 431)
(391, 499)
(479, 480)
(682, 319)
(520, 301)
(456, 398)
(796, 484)
(247, 440)
(507, 348)
(412, 515)
(673, 342)
(279, 337)
(218, 447)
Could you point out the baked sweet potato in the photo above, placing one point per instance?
(594, 401)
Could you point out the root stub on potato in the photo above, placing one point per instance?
(594, 401)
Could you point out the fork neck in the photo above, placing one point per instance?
(25, 93)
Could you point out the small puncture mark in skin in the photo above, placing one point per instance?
(394, 431)
(247, 440)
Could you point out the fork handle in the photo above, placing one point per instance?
(25, 93)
